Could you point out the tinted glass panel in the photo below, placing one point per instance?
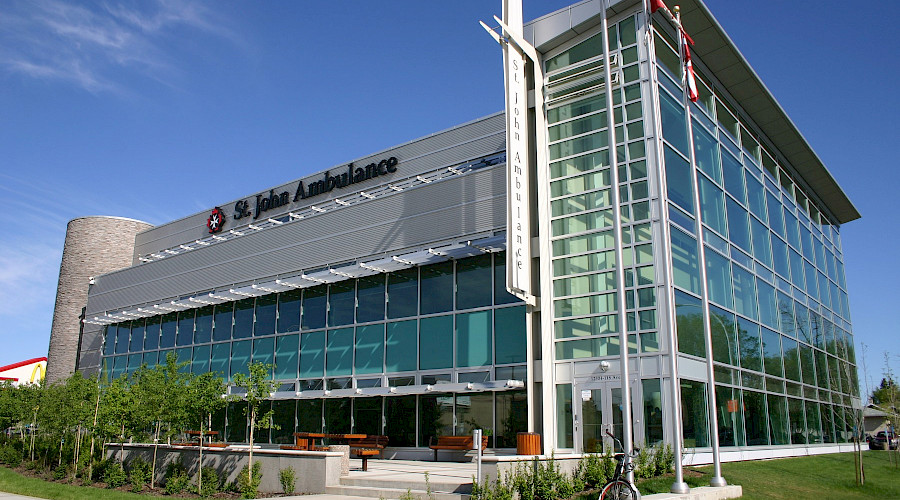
(243, 319)
(289, 311)
(370, 299)
(203, 325)
(287, 356)
(265, 315)
(223, 321)
(437, 288)
(435, 340)
(403, 293)
(339, 357)
(240, 357)
(369, 349)
(314, 306)
(678, 181)
(473, 282)
(341, 303)
(185, 334)
(401, 346)
(151, 335)
(312, 354)
(168, 328)
(509, 327)
(691, 339)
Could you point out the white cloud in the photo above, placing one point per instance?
(92, 47)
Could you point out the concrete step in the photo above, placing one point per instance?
(392, 493)
(404, 483)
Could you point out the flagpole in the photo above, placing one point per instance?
(622, 316)
(717, 479)
(678, 486)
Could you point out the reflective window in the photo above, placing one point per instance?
(724, 336)
(341, 303)
(240, 358)
(509, 328)
(678, 181)
(369, 349)
(168, 328)
(151, 335)
(435, 340)
(185, 335)
(339, 356)
(750, 345)
(718, 279)
(200, 359)
(218, 363)
(501, 296)
(264, 351)
(223, 321)
(738, 225)
(706, 152)
(289, 311)
(243, 319)
(287, 356)
(137, 336)
(314, 308)
(203, 325)
(731, 418)
(400, 420)
(473, 282)
(689, 321)
(401, 346)
(403, 293)
(755, 421)
(312, 354)
(685, 261)
(370, 299)
(712, 205)
(734, 177)
(673, 123)
(778, 419)
(694, 426)
(436, 289)
(744, 292)
(772, 352)
(473, 339)
(265, 315)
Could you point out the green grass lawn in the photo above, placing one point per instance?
(13, 482)
(821, 477)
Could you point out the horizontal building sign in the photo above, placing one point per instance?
(267, 201)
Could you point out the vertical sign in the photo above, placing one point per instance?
(518, 209)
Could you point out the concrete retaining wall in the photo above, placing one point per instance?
(313, 470)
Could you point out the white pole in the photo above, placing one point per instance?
(717, 479)
(678, 486)
(622, 317)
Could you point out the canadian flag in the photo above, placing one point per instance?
(690, 81)
(656, 5)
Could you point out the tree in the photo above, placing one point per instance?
(260, 387)
(162, 391)
(117, 410)
(886, 395)
(206, 395)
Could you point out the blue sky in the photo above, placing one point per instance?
(158, 109)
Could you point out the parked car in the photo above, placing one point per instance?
(884, 441)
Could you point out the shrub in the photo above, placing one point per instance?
(210, 482)
(287, 478)
(114, 475)
(139, 471)
(248, 489)
(10, 455)
(643, 463)
(176, 483)
(498, 489)
(176, 477)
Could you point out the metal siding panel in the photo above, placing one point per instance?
(470, 204)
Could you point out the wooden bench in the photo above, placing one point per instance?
(457, 443)
(369, 442)
(364, 454)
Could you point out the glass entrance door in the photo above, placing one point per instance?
(599, 409)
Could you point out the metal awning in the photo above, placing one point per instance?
(320, 276)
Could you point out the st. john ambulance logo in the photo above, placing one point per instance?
(216, 220)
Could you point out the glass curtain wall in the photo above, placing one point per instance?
(781, 333)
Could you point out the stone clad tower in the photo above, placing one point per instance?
(93, 246)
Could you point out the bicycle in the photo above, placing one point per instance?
(619, 487)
